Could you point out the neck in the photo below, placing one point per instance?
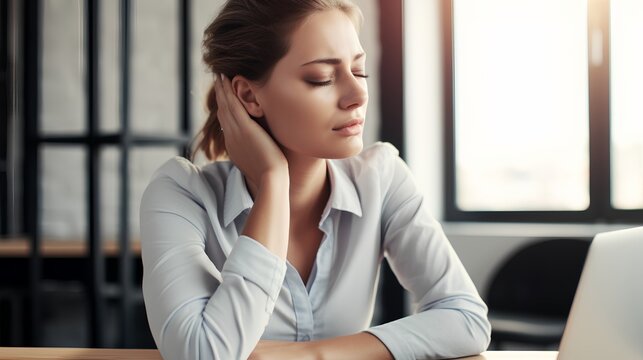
(309, 190)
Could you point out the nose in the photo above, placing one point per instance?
(355, 93)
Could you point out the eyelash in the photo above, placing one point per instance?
(326, 83)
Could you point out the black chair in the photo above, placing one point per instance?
(532, 292)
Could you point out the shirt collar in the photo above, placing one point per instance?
(343, 194)
(237, 196)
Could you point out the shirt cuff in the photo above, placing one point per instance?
(252, 261)
(393, 340)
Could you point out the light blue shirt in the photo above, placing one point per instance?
(213, 294)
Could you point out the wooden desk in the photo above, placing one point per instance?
(21, 248)
(62, 260)
(10, 353)
(517, 355)
(114, 354)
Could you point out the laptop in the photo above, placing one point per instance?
(606, 318)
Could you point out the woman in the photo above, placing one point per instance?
(275, 253)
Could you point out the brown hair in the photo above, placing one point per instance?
(248, 38)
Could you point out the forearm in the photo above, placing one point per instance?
(269, 219)
(358, 346)
(436, 333)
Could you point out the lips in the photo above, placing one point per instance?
(349, 124)
(350, 128)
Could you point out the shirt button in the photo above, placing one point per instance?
(305, 338)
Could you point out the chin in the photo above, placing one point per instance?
(344, 151)
(327, 149)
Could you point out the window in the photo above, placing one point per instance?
(626, 77)
(534, 131)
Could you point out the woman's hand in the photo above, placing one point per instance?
(264, 166)
(249, 146)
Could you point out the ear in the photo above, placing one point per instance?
(245, 90)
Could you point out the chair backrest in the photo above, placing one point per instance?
(539, 279)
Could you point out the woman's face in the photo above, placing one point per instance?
(317, 88)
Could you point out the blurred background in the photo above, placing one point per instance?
(522, 121)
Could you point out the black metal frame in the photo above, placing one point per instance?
(32, 20)
(392, 126)
(5, 94)
(392, 73)
(93, 141)
(600, 209)
(96, 265)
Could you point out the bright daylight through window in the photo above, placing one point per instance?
(626, 76)
(521, 105)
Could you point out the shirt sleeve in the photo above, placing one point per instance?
(195, 310)
(451, 318)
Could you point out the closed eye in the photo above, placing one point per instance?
(329, 82)
(319, 83)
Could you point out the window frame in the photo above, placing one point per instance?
(5, 95)
(600, 208)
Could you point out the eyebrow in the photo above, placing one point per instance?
(332, 61)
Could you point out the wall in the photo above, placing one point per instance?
(483, 247)
(423, 98)
(154, 100)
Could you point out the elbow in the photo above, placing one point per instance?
(486, 339)
(190, 340)
(201, 338)
(479, 331)
(480, 342)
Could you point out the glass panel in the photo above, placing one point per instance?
(143, 163)
(109, 65)
(626, 78)
(63, 88)
(63, 188)
(521, 105)
(110, 191)
(154, 67)
(203, 12)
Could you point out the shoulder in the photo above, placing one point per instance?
(181, 169)
(379, 159)
(184, 172)
(372, 173)
(375, 155)
(381, 162)
(379, 152)
(179, 175)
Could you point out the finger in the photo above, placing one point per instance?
(223, 112)
(229, 99)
